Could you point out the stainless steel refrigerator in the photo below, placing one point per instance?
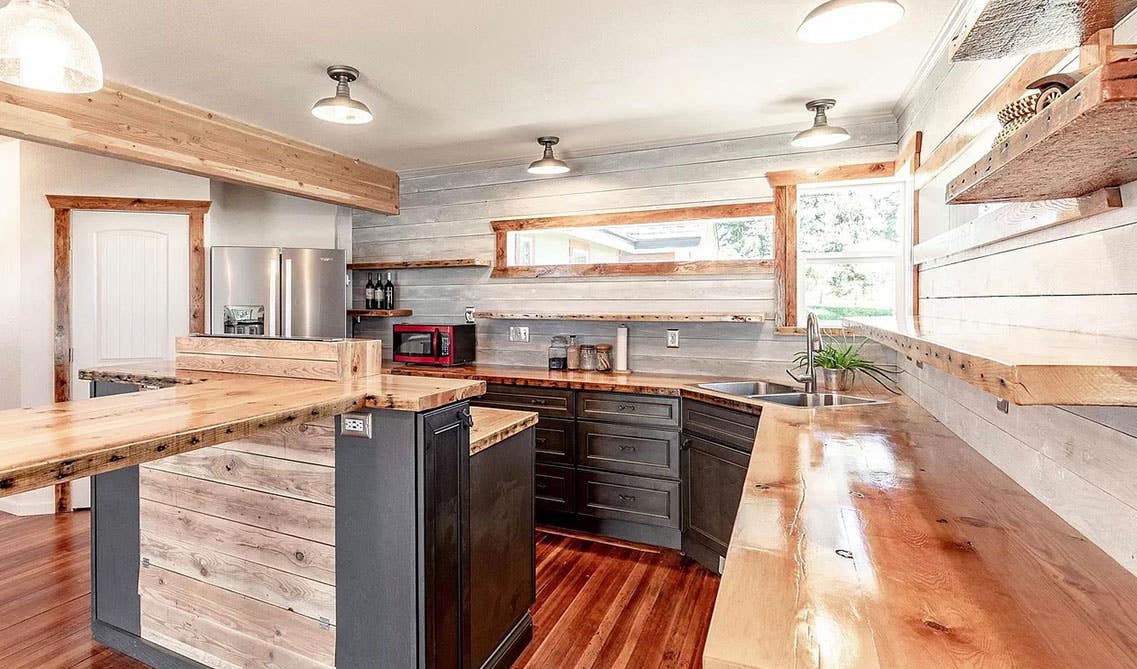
(278, 292)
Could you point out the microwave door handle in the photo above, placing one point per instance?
(436, 341)
(287, 297)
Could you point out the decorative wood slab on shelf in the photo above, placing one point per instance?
(1084, 141)
(420, 264)
(678, 318)
(1027, 366)
(994, 29)
(378, 313)
(331, 360)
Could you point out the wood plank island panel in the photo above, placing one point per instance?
(662, 318)
(420, 264)
(994, 29)
(1082, 142)
(133, 124)
(328, 360)
(1026, 366)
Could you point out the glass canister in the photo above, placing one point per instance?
(558, 352)
(573, 353)
(588, 358)
(604, 357)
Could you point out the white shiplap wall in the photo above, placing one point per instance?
(446, 213)
(1081, 462)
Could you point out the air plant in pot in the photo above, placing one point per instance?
(840, 361)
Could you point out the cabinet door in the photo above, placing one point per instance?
(555, 441)
(713, 478)
(555, 488)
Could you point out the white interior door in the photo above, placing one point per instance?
(129, 294)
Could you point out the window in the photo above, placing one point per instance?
(721, 239)
(849, 250)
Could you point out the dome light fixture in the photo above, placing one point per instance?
(548, 164)
(821, 134)
(848, 20)
(42, 47)
(340, 108)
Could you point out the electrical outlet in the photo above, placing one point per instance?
(356, 425)
(672, 339)
(518, 333)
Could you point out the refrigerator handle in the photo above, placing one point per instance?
(287, 297)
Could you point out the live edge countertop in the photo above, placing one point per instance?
(873, 537)
(67, 440)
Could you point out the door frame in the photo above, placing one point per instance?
(63, 205)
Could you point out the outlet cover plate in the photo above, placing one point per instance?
(518, 333)
(356, 425)
(672, 339)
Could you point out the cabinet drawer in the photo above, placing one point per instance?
(553, 402)
(555, 440)
(629, 449)
(635, 499)
(555, 488)
(629, 409)
(733, 428)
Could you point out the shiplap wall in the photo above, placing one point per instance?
(446, 213)
(1082, 462)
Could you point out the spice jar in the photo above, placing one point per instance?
(558, 352)
(604, 357)
(588, 358)
(573, 353)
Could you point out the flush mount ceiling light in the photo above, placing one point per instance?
(548, 164)
(847, 20)
(821, 134)
(340, 108)
(42, 47)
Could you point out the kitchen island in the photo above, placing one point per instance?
(227, 509)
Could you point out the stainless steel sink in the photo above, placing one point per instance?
(747, 388)
(815, 400)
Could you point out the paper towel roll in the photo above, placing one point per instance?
(621, 349)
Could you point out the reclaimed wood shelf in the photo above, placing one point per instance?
(1083, 142)
(420, 264)
(994, 29)
(1027, 366)
(663, 318)
(378, 313)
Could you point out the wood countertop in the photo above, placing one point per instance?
(872, 537)
(68, 440)
(539, 377)
(492, 426)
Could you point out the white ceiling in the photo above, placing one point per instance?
(457, 81)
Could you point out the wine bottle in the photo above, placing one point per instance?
(369, 293)
(389, 293)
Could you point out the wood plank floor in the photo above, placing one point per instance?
(599, 604)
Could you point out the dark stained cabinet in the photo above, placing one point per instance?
(628, 449)
(555, 488)
(555, 441)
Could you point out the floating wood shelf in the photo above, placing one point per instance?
(378, 313)
(421, 264)
(1083, 142)
(683, 318)
(1028, 366)
(994, 29)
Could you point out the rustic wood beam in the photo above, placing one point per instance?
(128, 123)
(827, 174)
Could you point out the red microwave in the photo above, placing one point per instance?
(443, 345)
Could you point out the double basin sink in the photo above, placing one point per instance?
(778, 393)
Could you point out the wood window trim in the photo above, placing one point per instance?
(63, 205)
(501, 229)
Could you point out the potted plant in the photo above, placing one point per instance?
(840, 361)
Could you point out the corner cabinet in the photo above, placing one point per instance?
(716, 447)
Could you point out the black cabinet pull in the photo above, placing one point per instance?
(626, 407)
(542, 486)
(538, 401)
(466, 417)
(627, 498)
(687, 443)
(541, 441)
(625, 447)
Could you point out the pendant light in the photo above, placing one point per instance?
(42, 47)
(821, 134)
(548, 164)
(340, 108)
(847, 20)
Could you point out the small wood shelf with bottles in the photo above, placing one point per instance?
(419, 264)
(378, 313)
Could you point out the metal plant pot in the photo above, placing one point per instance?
(837, 380)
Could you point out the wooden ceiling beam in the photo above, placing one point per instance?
(128, 123)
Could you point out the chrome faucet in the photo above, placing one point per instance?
(812, 345)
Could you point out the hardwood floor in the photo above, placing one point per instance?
(599, 604)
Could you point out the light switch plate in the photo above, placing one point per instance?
(356, 425)
(518, 333)
(672, 339)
